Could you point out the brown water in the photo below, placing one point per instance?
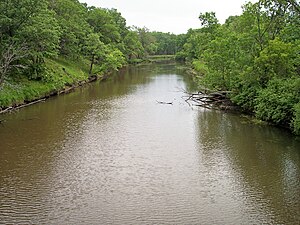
(110, 154)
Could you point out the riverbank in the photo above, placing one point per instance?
(61, 76)
(226, 101)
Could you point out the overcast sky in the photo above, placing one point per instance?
(174, 16)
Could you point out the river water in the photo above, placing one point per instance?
(108, 153)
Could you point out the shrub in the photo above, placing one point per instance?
(296, 120)
(276, 102)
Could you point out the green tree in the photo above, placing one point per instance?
(107, 57)
(147, 40)
(208, 19)
(104, 24)
(94, 50)
(276, 60)
(15, 14)
(71, 16)
(133, 46)
(42, 37)
(31, 24)
(113, 60)
(166, 43)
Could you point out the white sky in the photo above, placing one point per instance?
(174, 16)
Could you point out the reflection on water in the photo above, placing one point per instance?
(265, 160)
(109, 154)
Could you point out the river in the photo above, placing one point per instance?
(108, 153)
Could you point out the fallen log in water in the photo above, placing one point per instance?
(210, 99)
(6, 110)
(30, 103)
(22, 105)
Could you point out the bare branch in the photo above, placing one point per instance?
(9, 58)
(211, 100)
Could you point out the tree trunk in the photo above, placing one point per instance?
(91, 66)
(1, 79)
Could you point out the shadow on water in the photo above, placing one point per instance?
(266, 161)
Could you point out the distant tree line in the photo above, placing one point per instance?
(254, 56)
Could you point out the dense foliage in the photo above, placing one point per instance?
(32, 31)
(255, 56)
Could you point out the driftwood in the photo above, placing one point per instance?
(209, 99)
(166, 103)
(6, 110)
(22, 106)
(31, 103)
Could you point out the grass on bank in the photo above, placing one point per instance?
(59, 73)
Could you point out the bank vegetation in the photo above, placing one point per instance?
(254, 58)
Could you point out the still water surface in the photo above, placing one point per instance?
(110, 154)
